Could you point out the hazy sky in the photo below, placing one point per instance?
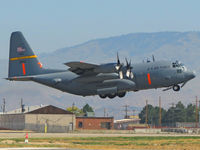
(52, 24)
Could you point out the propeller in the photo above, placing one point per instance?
(129, 73)
(118, 67)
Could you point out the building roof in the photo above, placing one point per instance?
(27, 109)
(85, 117)
(127, 120)
(49, 110)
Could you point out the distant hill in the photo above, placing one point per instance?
(183, 46)
(164, 45)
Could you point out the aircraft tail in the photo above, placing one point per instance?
(22, 61)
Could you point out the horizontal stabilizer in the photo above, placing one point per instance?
(20, 78)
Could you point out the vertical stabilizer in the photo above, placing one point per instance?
(22, 60)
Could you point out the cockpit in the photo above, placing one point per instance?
(180, 66)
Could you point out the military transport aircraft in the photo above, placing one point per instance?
(85, 79)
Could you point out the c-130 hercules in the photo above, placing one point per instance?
(106, 80)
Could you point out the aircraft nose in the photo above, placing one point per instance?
(191, 74)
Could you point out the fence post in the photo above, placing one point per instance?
(45, 128)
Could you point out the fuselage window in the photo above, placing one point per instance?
(179, 70)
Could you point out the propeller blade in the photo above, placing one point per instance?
(118, 61)
(128, 73)
(132, 76)
(119, 65)
(121, 75)
(126, 62)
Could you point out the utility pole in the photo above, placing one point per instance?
(126, 111)
(22, 106)
(4, 105)
(160, 112)
(172, 119)
(73, 104)
(21, 102)
(146, 119)
(197, 112)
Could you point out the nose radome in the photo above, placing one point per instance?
(193, 74)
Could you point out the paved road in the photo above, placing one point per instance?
(30, 148)
(49, 135)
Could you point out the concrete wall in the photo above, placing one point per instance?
(37, 122)
(12, 121)
(147, 130)
(186, 124)
(54, 122)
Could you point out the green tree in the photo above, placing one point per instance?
(190, 113)
(142, 114)
(153, 115)
(175, 114)
(180, 112)
(168, 118)
(75, 110)
(87, 108)
(156, 116)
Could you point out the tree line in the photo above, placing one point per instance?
(177, 113)
(80, 112)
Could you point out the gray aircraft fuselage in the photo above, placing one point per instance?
(161, 74)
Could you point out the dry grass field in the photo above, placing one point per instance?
(112, 143)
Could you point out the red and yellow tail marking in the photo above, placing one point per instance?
(149, 78)
(40, 65)
(23, 69)
(23, 57)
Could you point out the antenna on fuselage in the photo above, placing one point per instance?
(153, 58)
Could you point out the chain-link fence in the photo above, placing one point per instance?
(49, 128)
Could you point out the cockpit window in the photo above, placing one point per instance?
(180, 66)
(179, 71)
(177, 64)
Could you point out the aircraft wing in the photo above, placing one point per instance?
(81, 68)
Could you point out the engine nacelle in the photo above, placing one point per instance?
(106, 68)
(116, 86)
